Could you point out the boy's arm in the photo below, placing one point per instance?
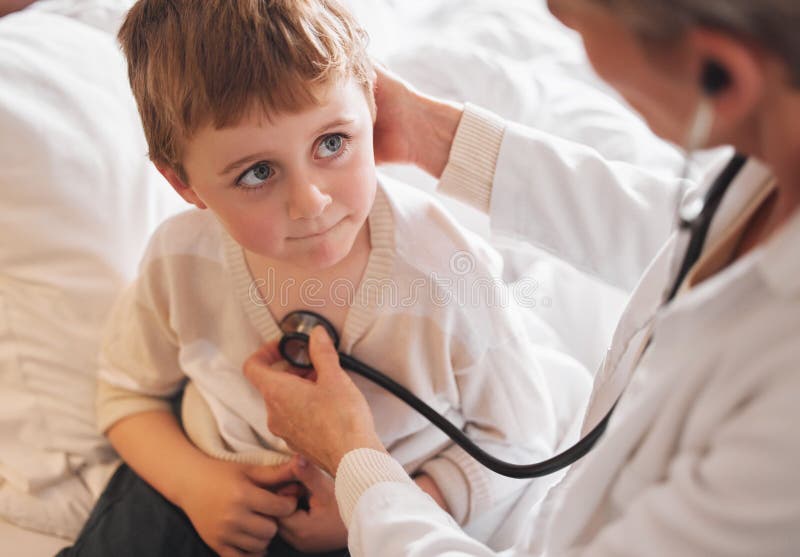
(237, 510)
(148, 437)
(153, 444)
(139, 372)
(562, 196)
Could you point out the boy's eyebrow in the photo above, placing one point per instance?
(344, 121)
(240, 162)
(256, 156)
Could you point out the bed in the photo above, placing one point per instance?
(80, 199)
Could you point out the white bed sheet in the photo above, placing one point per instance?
(19, 542)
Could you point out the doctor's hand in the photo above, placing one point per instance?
(322, 419)
(412, 127)
(320, 528)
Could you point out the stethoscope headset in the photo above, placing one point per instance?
(696, 219)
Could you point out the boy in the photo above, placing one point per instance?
(260, 113)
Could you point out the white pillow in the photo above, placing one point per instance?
(78, 200)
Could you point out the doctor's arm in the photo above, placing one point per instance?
(606, 217)
(329, 422)
(735, 495)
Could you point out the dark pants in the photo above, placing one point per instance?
(131, 519)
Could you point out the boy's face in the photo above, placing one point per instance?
(296, 188)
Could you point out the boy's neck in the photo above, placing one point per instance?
(348, 271)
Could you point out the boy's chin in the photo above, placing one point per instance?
(326, 258)
(330, 252)
(334, 250)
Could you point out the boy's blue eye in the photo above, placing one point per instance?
(330, 146)
(255, 176)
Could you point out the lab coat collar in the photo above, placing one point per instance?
(746, 186)
(776, 263)
(779, 263)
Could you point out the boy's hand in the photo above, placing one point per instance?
(233, 508)
(320, 528)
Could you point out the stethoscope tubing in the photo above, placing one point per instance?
(536, 470)
(698, 226)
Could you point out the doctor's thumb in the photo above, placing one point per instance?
(323, 353)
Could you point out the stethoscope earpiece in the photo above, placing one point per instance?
(715, 78)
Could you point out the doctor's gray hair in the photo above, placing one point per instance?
(774, 24)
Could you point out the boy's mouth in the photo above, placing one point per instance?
(317, 234)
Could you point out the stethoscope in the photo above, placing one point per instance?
(297, 326)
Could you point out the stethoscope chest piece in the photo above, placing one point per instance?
(296, 328)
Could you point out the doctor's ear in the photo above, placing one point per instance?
(180, 186)
(731, 75)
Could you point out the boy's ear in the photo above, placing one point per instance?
(183, 189)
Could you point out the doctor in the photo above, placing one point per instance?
(702, 454)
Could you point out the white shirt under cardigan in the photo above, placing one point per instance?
(702, 456)
(431, 311)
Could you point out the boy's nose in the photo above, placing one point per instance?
(307, 202)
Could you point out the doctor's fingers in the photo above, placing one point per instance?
(268, 353)
(394, 99)
(324, 355)
(268, 378)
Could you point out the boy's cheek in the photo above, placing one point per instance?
(256, 235)
(358, 177)
(361, 193)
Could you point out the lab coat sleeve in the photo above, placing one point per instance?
(372, 483)
(606, 217)
(735, 495)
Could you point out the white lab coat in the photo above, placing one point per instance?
(702, 456)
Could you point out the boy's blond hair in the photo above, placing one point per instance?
(197, 62)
